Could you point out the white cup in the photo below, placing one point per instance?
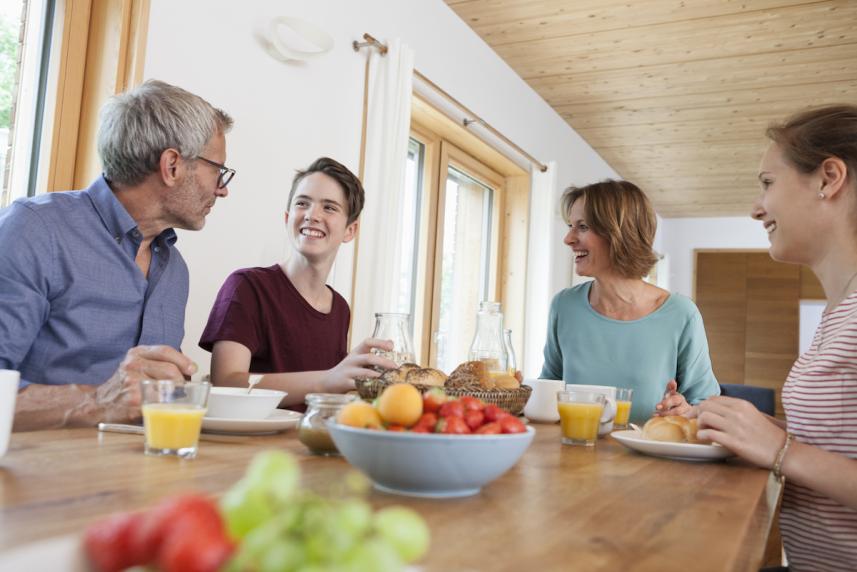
(8, 392)
(609, 412)
(541, 406)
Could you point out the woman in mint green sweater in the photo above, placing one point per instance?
(617, 329)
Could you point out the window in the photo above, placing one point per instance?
(467, 241)
(466, 221)
(26, 27)
(413, 194)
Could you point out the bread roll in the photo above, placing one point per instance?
(426, 376)
(469, 372)
(507, 382)
(671, 428)
(394, 376)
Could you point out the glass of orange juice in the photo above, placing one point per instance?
(579, 416)
(623, 408)
(172, 416)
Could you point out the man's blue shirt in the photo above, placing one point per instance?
(72, 298)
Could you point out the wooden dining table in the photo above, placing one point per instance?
(559, 508)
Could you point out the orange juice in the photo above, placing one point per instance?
(172, 425)
(623, 413)
(580, 421)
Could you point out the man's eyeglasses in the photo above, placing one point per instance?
(226, 173)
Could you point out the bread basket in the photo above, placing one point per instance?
(512, 400)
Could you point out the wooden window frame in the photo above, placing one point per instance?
(447, 143)
(102, 52)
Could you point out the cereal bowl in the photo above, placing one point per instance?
(236, 403)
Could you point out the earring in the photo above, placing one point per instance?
(821, 196)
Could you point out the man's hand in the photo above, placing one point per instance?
(358, 363)
(119, 398)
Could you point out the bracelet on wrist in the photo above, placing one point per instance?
(777, 467)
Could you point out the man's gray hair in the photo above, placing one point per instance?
(139, 125)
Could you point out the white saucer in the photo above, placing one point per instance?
(279, 420)
(678, 451)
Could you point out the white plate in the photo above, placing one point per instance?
(279, 420)
(679, 451)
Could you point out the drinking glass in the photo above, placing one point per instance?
(623, 407)
(172, 416)
(579, 416)
(395, 327)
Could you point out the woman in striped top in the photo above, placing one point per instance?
(808, 204)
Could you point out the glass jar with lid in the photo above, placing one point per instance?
(312, 430)
(489, 345)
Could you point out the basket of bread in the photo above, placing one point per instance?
(469, 378)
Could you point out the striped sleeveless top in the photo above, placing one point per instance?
(820, 401)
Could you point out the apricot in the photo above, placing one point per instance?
(400, 404)
(359, 414)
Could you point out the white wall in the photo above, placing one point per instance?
(679, 237)
(287, 115)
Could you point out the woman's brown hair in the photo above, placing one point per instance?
(619, 212)
(809, 137)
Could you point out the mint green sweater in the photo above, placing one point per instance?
(585, 347)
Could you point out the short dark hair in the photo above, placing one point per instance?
(351, 185)
(619, 212)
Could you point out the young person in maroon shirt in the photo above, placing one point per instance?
(284, 320)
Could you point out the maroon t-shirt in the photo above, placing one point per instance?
(261, 309)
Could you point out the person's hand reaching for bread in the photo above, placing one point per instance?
(674, 403)
(740, 427)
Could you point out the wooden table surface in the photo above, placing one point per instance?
(559, 508)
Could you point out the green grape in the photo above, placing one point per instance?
(357, 483)
(405, 530)
(276, 472)
(244, 509)
(285, 529)
(354, 517)
(282, 556)
(374, 554)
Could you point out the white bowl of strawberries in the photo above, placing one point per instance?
(444, 448)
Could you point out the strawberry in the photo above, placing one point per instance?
(472, 403)
(433, 399)
(494, 413)
(510, 424)
(474, 419)
(108, 542)
(490, 429)
(452, 426)
(451, 409)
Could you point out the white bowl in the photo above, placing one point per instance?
(236, 403)
(427, 464)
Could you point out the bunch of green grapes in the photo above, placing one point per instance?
(283, 528)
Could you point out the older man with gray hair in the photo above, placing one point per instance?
(86, 275)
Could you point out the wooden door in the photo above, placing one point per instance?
(751, 308)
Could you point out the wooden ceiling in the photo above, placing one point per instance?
(676, 94)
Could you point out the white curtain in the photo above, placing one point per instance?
(377, 272)
(544, 207)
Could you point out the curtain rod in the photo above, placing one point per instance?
(370, 41)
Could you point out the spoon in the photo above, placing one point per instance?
(252, 381)
(635, 427)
